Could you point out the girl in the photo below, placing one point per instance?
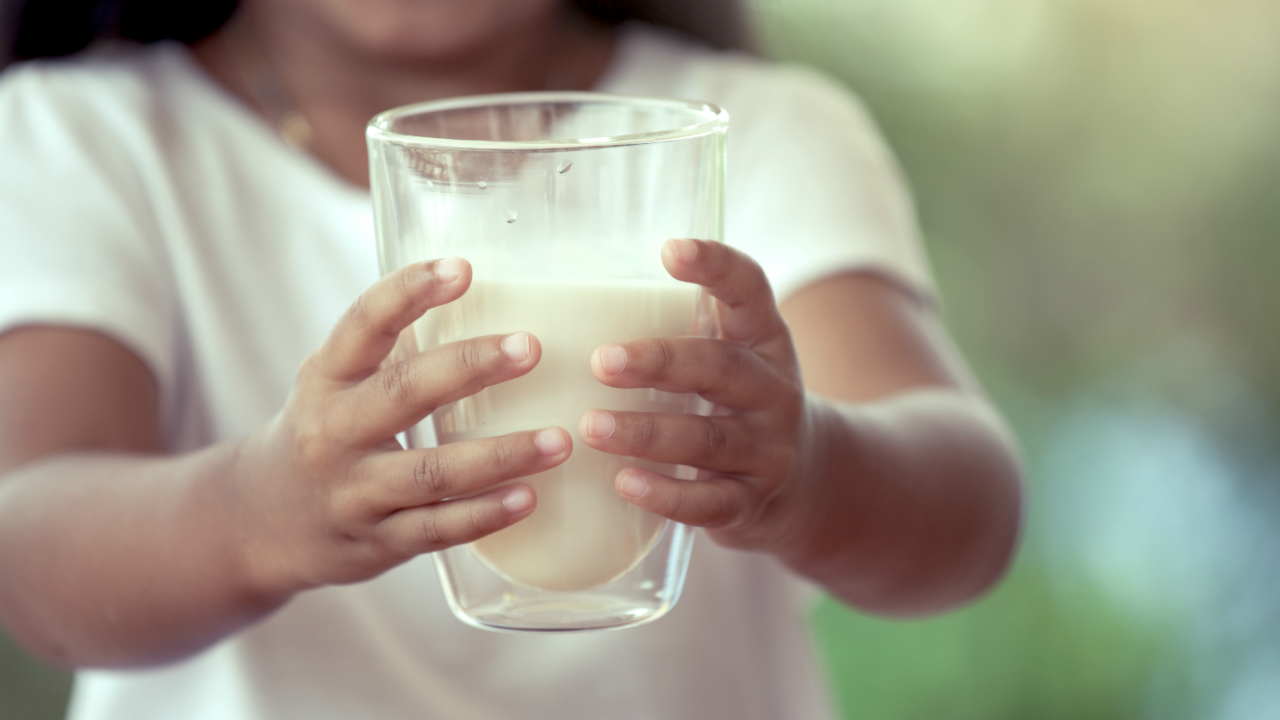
(203, 506)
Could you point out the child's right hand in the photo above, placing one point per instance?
(326, 494)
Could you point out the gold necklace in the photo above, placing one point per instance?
(263, 85)
(262, 82)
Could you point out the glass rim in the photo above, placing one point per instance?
(710, 119)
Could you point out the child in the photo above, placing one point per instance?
(206, 530)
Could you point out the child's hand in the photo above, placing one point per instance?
(751, 449)
(327, 495)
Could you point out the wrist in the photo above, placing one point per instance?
(251, 566)
(823, 506)
(919, 503)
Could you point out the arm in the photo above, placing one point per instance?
(917, 457)
(114, 555)
(109, 552)
(884, 475)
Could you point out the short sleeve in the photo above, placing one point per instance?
(78, 241)
(813, 191)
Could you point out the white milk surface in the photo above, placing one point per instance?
(582, 534)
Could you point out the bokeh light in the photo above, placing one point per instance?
(1095, 181)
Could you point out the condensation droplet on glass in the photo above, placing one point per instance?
(563, 167)
(510, 216)
(482, 185)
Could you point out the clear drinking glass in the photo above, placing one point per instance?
(561, 202)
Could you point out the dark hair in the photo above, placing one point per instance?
(50, 28)
(719, 23)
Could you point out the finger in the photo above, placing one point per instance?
(719, 444)
(746, 308)
(718, 502)
(429, 528)
(367, 332)
(406, 346)
(723, 372)
(400, 395)
(391, 481)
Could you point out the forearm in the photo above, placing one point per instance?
(914, 502)
(117, 560)
(901, 495)
(121, 557)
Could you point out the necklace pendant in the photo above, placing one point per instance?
(295, 130)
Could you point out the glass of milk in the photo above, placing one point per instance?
(561, 202)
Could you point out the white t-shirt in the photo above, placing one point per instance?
(139, 199)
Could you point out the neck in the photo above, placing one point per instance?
(338, 86)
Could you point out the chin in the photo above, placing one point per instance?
(430, 29)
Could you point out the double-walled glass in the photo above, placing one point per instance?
(561, 202)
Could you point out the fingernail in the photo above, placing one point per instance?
(518, 500)
(549, 441)
(516, 346)
(613, 358)
(600, 424)
(449, 270)
(685, 249)
(633, 486)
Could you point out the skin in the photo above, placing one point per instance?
(849, 439)
(344, 61)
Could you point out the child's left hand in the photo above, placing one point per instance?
(751, 451)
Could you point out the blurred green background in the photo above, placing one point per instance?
(1096, 182)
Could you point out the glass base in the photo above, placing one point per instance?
(484, 599)
(563, 613)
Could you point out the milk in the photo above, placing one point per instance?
(582, 534)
